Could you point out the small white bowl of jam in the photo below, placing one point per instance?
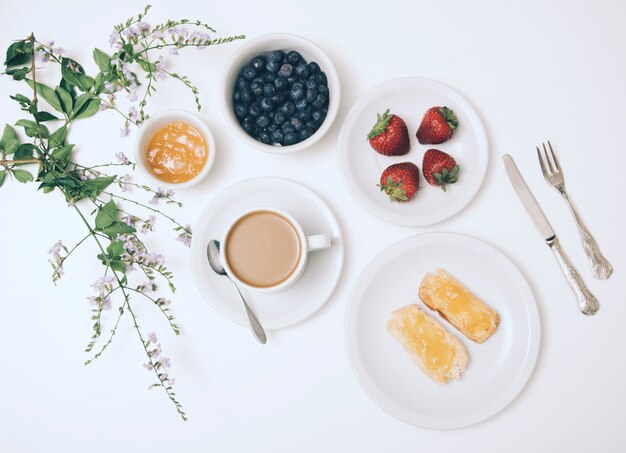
(174, 149)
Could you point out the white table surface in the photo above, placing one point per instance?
(534, 70)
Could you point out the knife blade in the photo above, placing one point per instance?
(587, 303)
(528, 199)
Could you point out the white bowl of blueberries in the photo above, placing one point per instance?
(280, 93)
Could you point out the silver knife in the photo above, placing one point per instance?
(587, 303)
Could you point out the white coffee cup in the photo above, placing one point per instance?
(307, 244)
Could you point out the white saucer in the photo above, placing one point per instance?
(498, 369)
(297, 302)
(409, 98)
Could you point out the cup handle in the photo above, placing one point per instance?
(317, 242)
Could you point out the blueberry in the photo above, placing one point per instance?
(318, 116)
(314, 68)
(241, 83)
(297, 91)
(258, 79)
(269, 77)
(279, 118)
(258, 63)
(290, 138)
(266, 105)
(285, 70)
(302, 70)
(288, 109)
(320, 101)
(268, 89)
(241, 111)
(305, 133)
(277, 136)
(248, 73)
(293, 57)
(273, 66)
(237, 96)
(321, 79)
(246, 95)
(281, 83)
(313, 125)
(263, 120)
(302, 104)
(304, 115)
(293, 79)
(272, 127)
(288, 128)
(311, 83)
(257, 88)
(264, 137)
(255, 109)
(322, 89)
(277, 55)
(311, 94)
(249, 125)
(277, 98)
(297, 124)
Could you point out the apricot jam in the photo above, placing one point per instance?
(177, 153)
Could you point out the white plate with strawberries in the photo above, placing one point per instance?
(384, 152)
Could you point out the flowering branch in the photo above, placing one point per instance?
(113, 228)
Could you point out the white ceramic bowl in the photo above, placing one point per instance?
(152, 125)
(265, 44)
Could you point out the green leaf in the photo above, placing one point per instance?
(63, 152)
(116, 249)
(48, 94)
(66, 99)
(85, 82)
(22, 176)
(70, 71)
(25, 151)
(2, 175)
(45, 116)
(32, 129)
(8, 135)
(107, 214)
(58, 137)
(23, 100)
(89, 110)
(100, 183)
(18, 73)
(118, 266)
(80, 102)
(12, 147)
(117, 228)
(20, 52)
(102, 60)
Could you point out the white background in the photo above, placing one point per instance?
(534, 70)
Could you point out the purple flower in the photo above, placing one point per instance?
(103, 285)
(124, 183)
(55, 250)
(125, 130)
(152, 337)
(158, 34)
(148, 366)
(42, 57)
(165, 362)
(133, 114)
(154, 259)
(185, 236)
(174, 51)
(122, 159)
(148, 225)
(161, 194)
(162, 302)
(114, 40)
(143, 26)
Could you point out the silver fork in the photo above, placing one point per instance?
(552, 172)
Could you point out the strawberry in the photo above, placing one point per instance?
(389, 136)
(439, 168)
(400, 181)
(437, 126)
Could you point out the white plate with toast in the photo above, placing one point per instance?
(497, 369)
(410, 98)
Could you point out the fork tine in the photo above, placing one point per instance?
(556, 161)
(543, 165)
(549, 162)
